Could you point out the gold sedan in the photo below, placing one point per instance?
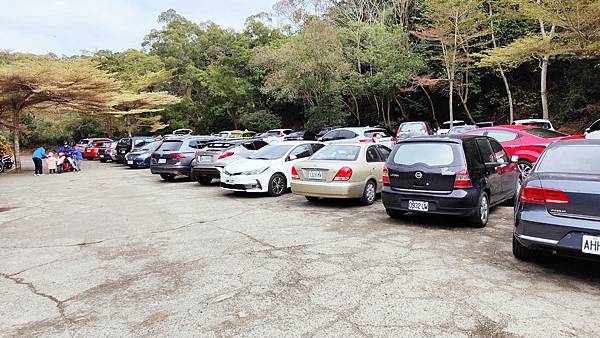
(342, 171)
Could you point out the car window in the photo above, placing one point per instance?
(370, 133)
(170, 145)
(499, 152)
(501, 135)
(301, 151)
(125, 142)
(346, 134)
(337, 153)
(595, 126)
(412, 127)
(271, 152)
(151, 146)
(472, 155)
(373, 155)
(287, 132)
(485, 150)
(545, 133)
(384, 152)
(138, 143)
(332, 135)
(432, 154)
(577, 159)
(316, 147)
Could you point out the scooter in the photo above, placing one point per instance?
(6, 163)
(65, 163)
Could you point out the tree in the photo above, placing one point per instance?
(50, 85)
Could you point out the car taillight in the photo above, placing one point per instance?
(539, 195)
(177, 155)
(462, 180)
(226, 154)
(386, 175)
(295, 175)
(365, 140)
(343, 174)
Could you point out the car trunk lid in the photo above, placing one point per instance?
(323, 171)
(583, 192)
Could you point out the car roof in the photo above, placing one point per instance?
(357, 144)
(295, 142)
(360, 129)
(532, 120)
(456, 138)
(574, 142)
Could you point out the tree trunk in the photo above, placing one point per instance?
(543, 87)
(109, 127)
(16, 142)
(451, 104)
(511, 110)
(356, 107)
(437, 125)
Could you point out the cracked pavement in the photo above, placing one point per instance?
(118, 252)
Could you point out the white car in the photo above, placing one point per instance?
(357, 134)
(276, 134)
(269, 169)
(446, 126)
(539, 123)
(593, 132)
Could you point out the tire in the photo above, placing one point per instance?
(168, 177)
(277, 185)
(394, 213)
(311, 198)
(103, 161)
(204, 180)
(1, 168)
(525, 168)
(482, 213)
(521, 252)
(369, 194)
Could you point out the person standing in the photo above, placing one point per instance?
(38, 155)
(78, 157)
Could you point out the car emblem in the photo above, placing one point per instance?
(418, 175)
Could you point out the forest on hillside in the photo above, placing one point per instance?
(325, 63)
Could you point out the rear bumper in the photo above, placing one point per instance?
(328, 189)
(139, 163)
(535, 228)
(170, 170)
(212, 172)
(456, 203)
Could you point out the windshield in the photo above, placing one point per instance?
(545, 133)
(271, 152)
(544, 125)
(575, 159)
(434, 154)
(337, 153)
(408, 127)
(460, 129)
(170, 145)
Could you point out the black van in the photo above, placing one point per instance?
(129, 144)
(457, 175)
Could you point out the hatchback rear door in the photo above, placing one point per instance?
(166, 153)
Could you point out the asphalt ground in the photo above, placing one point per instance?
(113, 252)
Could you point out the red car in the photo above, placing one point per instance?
(90, 152)
(526, 142)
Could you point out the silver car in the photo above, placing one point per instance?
(210, 161)
(175, 155)
(357, 134)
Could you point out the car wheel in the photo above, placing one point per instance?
(481, 215)
(521, 252)
(394, 213)
(277, 185)
(168, 177)
(525, 168)
(311, 198)
(204, 180)
(369, 194)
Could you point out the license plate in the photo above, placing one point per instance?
(162, 160)
(129, 162)
(101, 156)
(229, 181)
(315, 175)
(205, 158)
(590, 244)
(418, 206)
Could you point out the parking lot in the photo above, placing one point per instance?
(113, 251)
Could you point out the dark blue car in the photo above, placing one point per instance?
(141, 158)
(558, 210)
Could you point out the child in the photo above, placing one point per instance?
(77, 156)
(51, 163)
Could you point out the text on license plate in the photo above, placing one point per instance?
(590, 244)
(162, 160)
(205, 158)
(418, 206)
(315, 175)
(129, 162)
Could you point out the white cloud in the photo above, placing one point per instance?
(70, 26)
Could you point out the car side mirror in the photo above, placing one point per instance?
(514, 159)
(292, 157)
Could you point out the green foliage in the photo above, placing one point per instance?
(260, 121)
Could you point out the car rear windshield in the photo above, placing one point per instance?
(431, 154)
(545, 133)
(576, 159)
(126, 142)
(171, 145)
(270, 152)
(412, 127)
(219, 146)
(151, 146)
(337, 153)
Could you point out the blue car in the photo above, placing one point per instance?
(558, 209)
(141, 158)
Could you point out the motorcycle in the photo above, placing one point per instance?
(6, 163)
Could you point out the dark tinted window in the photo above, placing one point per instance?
(499, 152)
(384, 151)
(337, 153)
(432, 154)
(170, 145)
(124, 142)
(472, 155)
(316, 147)
(346, 134)
(301, 151)
(595, 126)
(577, 159)
(332, 135)
(151, 146)
(485, 150)
(373, 155)
(545, 133)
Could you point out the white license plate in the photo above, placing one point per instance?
(205, 158)
(162, 160)
(129, 162)
(590, 244)
(315, 175)
(418, 206)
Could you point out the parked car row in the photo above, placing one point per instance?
(458, 174)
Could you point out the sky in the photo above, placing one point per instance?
(68, 27)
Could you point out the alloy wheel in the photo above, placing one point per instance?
(525, 168)
(484, 209)
(277, 185)
(370, 192)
